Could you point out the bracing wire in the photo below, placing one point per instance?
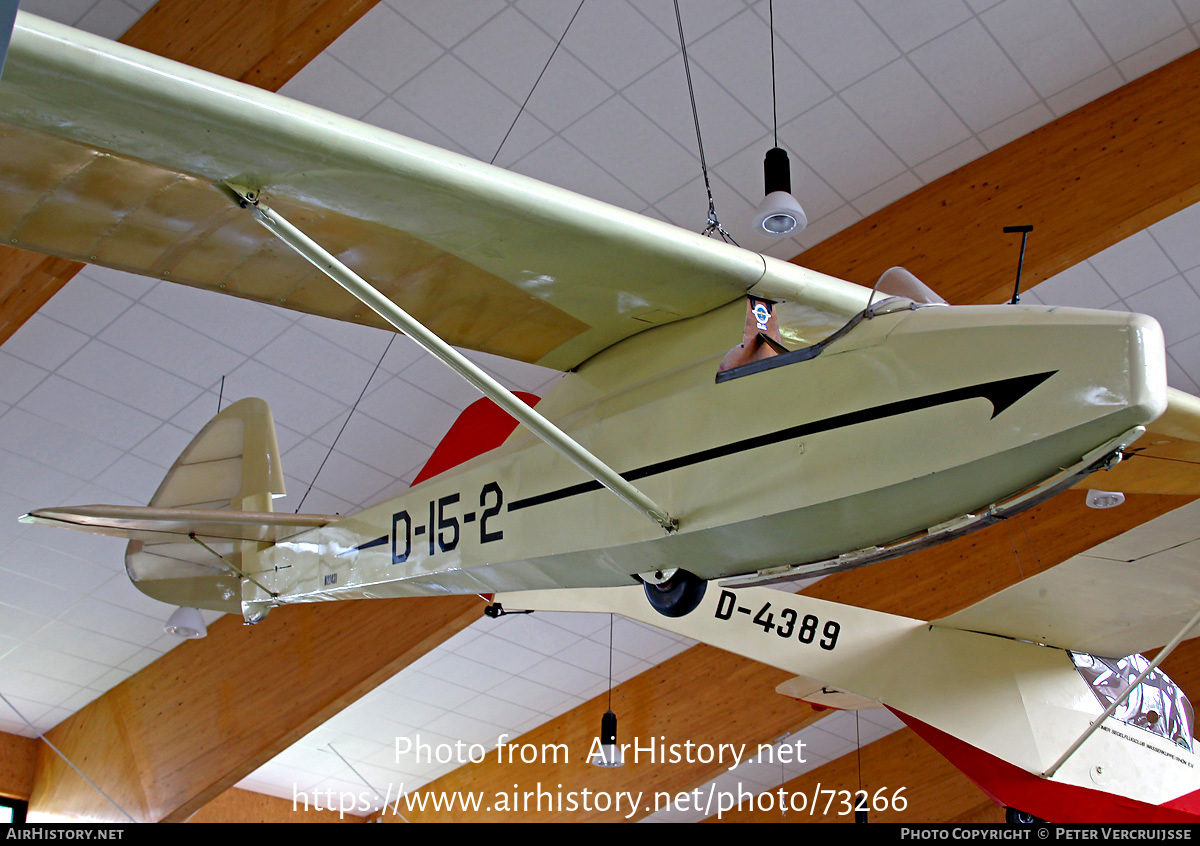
(346, 422)
(521, 110)
(714, 223)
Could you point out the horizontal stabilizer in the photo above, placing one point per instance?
(154, 524)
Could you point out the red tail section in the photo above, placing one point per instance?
(481, 427)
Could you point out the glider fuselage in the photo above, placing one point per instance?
(910, 419)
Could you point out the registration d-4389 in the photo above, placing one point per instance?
(783, 622)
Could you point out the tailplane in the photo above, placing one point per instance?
(209, 519)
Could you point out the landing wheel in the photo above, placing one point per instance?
(678, 595)
(1014, 817)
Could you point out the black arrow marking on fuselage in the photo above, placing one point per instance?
(1002, 394)
(368, 545)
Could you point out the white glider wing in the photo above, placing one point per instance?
(113, 156)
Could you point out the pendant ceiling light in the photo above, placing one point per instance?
(607, 753)
(186, 623)
(779, 213)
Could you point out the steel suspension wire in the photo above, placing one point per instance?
(521, 110)
(774, 106)
(345, 423)
(714, 223)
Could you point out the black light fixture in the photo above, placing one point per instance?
(779, 213)
(609, 754)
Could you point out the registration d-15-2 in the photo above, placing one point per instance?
(442, 530)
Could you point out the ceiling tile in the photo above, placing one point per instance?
(109, 18)
(1174, 304)
(162, 446)
(978, 81)
(567, 92)
(385, 49)
(246, 328)
(172, 346)
(509, 52)
(460, 103)
(312, 359)
(38, 601)
(617, 43)
(63, 571)
(952, 159)
(912, 23)
(838, 145)
(1047, 40)
(18, 683)
(551, 15)
(1158, 54)
(1190, 9)
(1012, 128)
(64, 11)
(1133, 264)
(1126, 26)
(132, 477)
(887, 193)
(448, 23)
(725, 126)
(56, 398)
(17, 377)
(129, 380)
(1082, 93)
(1179, 236)
(54, 445)
(328, 84)
(1179, 378)
(559, 163)
(923, 127)
(294, 404)
(401, 406)
(85, 305)
(1187, 355)
(831, 224)
(838, 40)
(61, 636)
(746, 73)
(379, 446)
(44, 342)
(629, 146)
(18, 622)
(699, 17)
(1079, 286)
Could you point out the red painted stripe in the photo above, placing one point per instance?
(481, 427)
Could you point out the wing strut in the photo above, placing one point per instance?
(452, 358)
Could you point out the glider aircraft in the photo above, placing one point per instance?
(724, 415)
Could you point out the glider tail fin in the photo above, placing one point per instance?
(231, 465)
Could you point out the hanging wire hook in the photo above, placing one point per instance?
(714, 223)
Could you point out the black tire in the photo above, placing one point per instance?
(1014, 817)
(678, 595)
